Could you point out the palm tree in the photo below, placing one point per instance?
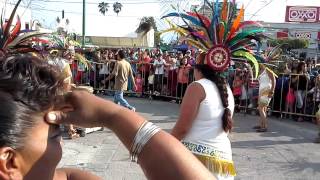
(103, 7)
(117, 7)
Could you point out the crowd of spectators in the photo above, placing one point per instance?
(168, 74)
(156, 72)
(297, 92)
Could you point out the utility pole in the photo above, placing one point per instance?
(83, 23)
(317, 51)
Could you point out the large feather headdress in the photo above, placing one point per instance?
(12, 39)
(69, 47)
(223, 37)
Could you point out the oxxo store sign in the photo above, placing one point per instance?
(303, 35)
(304, 14)
(311, 36)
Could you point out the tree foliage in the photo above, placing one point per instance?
(146, 24)
(117, 7)
(103, 7)
(291, 43)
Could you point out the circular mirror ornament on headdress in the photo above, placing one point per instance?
(218, 58)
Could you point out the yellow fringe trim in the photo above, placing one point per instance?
(219, 166)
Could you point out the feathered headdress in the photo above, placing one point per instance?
(62, 42)
(13, 40)
(223, 37)
(271, 57)
(68, 46)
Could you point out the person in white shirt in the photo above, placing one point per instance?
(104, 70)
(151, 82)
(206, 119)
(158, 64)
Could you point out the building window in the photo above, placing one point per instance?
(27, 27)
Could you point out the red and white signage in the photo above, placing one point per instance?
(303, 35)
(282, 34)
(306, 14)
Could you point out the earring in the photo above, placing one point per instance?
(4, 156)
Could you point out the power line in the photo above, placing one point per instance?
(248, 4)
(29, 3)
(261, 8)
(95, 3)
(74, 12)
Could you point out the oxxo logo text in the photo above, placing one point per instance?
(300, 14)
(303, 35)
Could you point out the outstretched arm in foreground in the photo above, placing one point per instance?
(163, 157)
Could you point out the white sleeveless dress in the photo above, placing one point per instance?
(265, 85)
(206, 138)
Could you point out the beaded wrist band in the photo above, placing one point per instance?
(144, 134)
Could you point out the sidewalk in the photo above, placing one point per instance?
(285, 152)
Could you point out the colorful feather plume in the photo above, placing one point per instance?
(13, 39)
(271, 58)
(80, 58)
(224, 28)
(62, 43)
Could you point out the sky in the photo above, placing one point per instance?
(46, 12)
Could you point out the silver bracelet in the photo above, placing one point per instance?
(146, 131)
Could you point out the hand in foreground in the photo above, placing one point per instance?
(82, 109)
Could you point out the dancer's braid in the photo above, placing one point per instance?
(223, 90)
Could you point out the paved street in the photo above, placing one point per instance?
(285, 152)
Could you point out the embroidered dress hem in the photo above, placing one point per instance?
(216, 161)
(218, 166)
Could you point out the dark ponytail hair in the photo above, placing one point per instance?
(29, 86)
(222, 85)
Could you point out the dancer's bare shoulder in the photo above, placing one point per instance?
(74, 174)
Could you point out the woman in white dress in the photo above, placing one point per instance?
(206, 119)
(207, 107)
(267, 83)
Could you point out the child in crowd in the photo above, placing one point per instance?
(253, 92)
(151, 82)
(244, 88)
(290, 100)
(103, 74)
(139, 83)
(237, 90)
(158, 65)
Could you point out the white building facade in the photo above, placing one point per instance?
(25, 14)
(309, 31)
